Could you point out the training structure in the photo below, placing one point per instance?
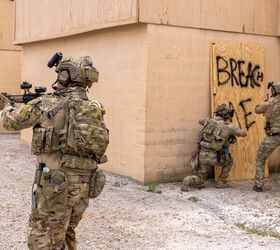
(237, 79)
(154, 62)
(10, 55)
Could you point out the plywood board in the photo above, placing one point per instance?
(238, 78)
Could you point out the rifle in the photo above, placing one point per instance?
(27, 95)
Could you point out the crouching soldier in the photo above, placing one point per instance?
(69, 140)
(271, 110)
(215, 137)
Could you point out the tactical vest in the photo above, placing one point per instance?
(211, 135)
(82, 137)
(274, 120)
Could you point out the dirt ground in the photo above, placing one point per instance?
(126, 216)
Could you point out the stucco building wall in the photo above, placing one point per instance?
(248, 17)
(120, 56)
(44, 19)
(178, 92)
(154, 63)
(10, 55)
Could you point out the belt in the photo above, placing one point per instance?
(73, 179)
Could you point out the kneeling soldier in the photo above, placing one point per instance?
(215, 138)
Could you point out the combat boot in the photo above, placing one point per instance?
(257, 189)
(222, 184)
(186, 184)
(185, 187)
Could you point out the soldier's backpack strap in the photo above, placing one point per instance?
(62, 134)
(59, 106)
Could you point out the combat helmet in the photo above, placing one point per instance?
(275, 88)
(77, 71)
(224, 111)
(80, 70)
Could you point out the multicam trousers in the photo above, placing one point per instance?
(268, 145)
(60, 203)
(207, 159)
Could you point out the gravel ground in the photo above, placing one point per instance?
(126, 216)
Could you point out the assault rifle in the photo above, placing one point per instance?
(27, 95)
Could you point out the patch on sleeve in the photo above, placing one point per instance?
(98, 105)
(30, 109)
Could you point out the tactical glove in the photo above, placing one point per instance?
(4, 101)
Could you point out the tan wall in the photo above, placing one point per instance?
(245, 16)
(178, 93)
(120, 56)
(45, 19)
(10, 55)
(7, 25)
(154, 78)
(278, 18)
(10, 68)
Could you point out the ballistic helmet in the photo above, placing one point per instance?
(80, 70)
(275, 86)
(224, 111)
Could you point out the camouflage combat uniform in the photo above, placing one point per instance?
(213, 153)
(271, 109)
(63, 178)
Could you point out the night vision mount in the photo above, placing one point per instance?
(55, 60)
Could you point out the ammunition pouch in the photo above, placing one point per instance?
(194, 162)
(44, 140)
(48, 140)
(52, 191)
(97, 182)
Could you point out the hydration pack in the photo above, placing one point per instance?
(211, 135)
(274, 120)
(86, 132)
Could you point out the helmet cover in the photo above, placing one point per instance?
(80, 70)
(276, 87)
(224, 111)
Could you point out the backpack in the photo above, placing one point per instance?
(274, 121)
(86, 133)
(211, 135)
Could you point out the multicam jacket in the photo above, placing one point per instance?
(221, 133)
(56, 142)
(271, 110)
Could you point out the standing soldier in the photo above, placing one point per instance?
(213, 143)
(69, 139)
(271, 110)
